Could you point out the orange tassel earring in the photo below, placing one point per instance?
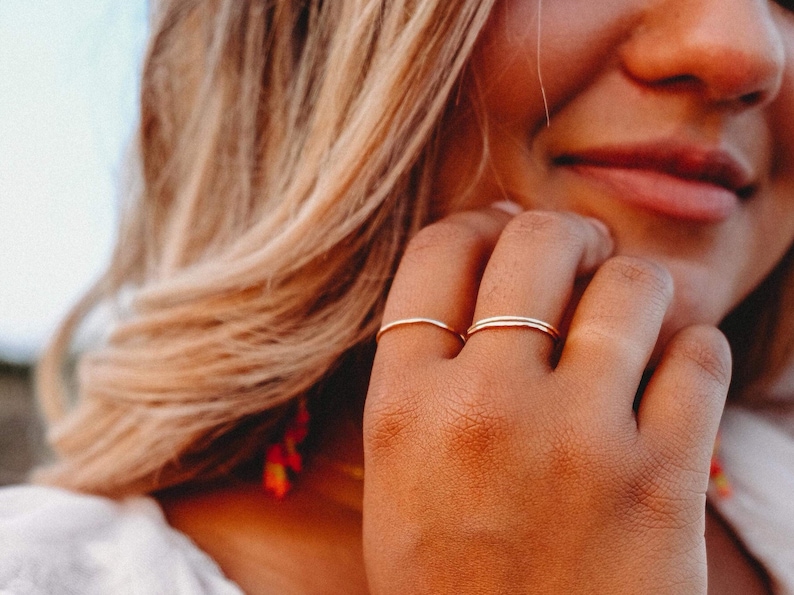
(283, 461)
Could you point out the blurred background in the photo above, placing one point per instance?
(68, 102)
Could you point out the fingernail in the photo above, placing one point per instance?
(602, 227)
(508, 206)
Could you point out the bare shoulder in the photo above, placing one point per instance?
(731, 570)
(304, 544)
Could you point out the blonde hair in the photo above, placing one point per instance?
(284, 150)
(283, 159)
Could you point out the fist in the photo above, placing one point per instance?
(507, 463)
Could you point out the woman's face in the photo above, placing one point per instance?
(670, 120)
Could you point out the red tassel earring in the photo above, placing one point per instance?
(283, 461)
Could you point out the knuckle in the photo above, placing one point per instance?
(667, 469)
(444, 235)
(569, 457)
(663, 496)
(657, 508)
(392, 410)
(559, 229)
(474, 434)
(604, 336)
(707, 352)
(607, 338)
(473, 426)
(577, 452)
(650, 277)
(387, 426)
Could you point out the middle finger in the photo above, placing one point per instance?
(531, 273)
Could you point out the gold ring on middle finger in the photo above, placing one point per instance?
(514, 321)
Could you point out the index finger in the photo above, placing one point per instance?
(438, 278)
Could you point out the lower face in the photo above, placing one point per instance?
(672, 121)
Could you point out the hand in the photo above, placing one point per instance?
(491, 471)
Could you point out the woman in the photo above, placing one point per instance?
(289, 153)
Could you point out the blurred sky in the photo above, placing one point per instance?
(68, 100)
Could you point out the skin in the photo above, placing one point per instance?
(536, 475)
(709, 74)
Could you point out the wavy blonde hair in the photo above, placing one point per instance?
(284, 147)
(284, 156)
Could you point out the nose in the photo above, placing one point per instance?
(727, 51)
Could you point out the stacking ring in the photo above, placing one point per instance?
(407, 321)
(514, 321)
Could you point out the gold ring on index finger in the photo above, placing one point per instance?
(409, 321)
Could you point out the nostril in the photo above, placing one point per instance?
(681, 82)
(752, 99)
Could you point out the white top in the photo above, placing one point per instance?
(757, 454)
(56, 542)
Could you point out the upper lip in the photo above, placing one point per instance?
(688, 162)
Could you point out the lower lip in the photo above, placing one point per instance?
(677, 198)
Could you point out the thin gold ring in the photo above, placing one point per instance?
(407, 321)
(514, 321)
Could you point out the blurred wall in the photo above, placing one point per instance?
(68, 102)
(68, 97)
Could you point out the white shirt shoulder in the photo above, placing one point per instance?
(757, 453)
(55, 541)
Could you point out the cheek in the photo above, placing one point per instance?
(519, 59)
(782, 110)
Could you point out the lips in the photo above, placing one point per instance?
(677, 181)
